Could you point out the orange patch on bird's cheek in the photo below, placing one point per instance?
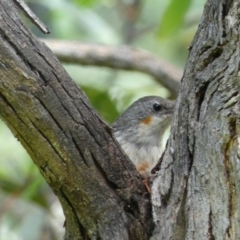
(142, 168)
(147, 120)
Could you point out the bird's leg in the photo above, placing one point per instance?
(146, 184)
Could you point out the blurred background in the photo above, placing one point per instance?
(28, 208)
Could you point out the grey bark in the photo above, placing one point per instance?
(196, 193)
(101, 193)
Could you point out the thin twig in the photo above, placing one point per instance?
(31, 15)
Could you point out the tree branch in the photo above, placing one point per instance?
(120, 57)
(196, 194)
(31, 15)
(102, 195)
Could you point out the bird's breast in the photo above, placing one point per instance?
(144, 157)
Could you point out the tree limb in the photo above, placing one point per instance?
(31, 15)
(118, 57)
(102, 195)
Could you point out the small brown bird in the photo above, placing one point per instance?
(140, 128)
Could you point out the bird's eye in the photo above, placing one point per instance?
(157, 107)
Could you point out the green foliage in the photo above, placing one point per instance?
(86, 3)
(102, 102)
(173, 17)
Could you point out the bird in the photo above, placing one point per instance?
(140, 129)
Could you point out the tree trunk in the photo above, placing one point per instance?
(195, 194)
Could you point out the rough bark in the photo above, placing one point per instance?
(100, 191)
(196, 193)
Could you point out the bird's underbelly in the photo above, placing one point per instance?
(144, 157)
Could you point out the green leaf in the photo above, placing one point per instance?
(85, 3)
(173, 17)
(102, 103)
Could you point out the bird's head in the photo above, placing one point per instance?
(145, 121)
